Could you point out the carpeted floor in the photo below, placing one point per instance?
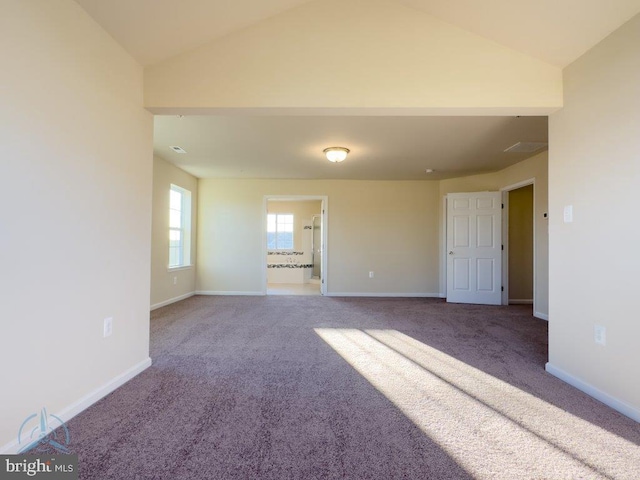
(363, 388)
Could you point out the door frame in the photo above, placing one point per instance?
(324, 199)
(505, 238)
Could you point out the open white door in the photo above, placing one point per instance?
(474, 248)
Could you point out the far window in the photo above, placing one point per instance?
(179, 227)
(280, 231)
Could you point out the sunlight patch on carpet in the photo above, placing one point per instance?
(489, 427)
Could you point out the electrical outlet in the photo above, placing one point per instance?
(107, 327)
(600, 335)
(370, 274)
(175, 280)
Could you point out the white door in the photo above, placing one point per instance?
(474, 248)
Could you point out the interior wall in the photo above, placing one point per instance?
(521, 244)
(534, 167)
(594, 166)
(381, 54)
(76, 222)
(388, 227)
(167, 285)
(303, 212)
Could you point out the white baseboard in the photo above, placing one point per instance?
(541, 316)
(225, 292)
(622, 407)
(85, 402)
(172, 300)
(521, 301)
(369, 294)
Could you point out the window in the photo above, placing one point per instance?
(280, 231)
(179, 227)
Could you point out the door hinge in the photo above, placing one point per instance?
(502, 289)
(502, 205)
(323, 280)
(502, 247)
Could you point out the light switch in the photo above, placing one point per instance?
(568, 214)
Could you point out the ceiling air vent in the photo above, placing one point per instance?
(178, 149)
(526, 147)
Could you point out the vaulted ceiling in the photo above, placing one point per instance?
(555, 31)
(522, 44)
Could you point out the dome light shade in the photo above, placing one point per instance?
(336, 154)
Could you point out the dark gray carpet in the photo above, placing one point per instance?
(361, 388)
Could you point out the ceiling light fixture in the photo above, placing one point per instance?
(429, 170)
(336, 154)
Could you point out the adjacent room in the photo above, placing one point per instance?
(294, 246)
(321, 239)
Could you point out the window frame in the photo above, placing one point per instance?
(293, 236)
(184, 230)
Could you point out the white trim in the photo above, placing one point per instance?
(371, 294)
(541, 316)
(172, 300)
(230, 293)
(179, 267)
(515, 186)
(594, 392)
(505, 247)
(443, 248)
(88, 400)
(521, 301)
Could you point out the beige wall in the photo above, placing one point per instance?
(168, 286)
(594, 166)
(521, 243)
(337, 54)
(303, 212)
(534, 167)
(76, 217)
(390, 228)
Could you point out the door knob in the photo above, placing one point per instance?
(451, 252)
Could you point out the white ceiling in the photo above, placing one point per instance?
(382, 148)
(556, 31)
(155, 30)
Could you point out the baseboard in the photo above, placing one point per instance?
(616, 404)
(541, 316)
(369, 294)
(521, 301)
(172, 300)
(85, 402)
(225, 292)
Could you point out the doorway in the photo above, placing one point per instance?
(519, 244)
(294, 245)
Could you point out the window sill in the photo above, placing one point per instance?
(181, 267)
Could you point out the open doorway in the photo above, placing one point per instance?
(518, 239)
(294, 246)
